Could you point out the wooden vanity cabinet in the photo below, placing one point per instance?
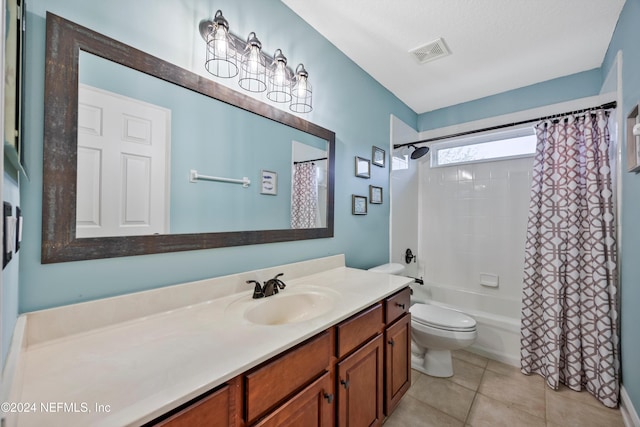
(371, 381)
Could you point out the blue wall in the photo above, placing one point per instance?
(10, 291)
(346, 100)
(550, 92)
(625, 39)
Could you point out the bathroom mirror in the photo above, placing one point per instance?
(66, 165)
(139, 138)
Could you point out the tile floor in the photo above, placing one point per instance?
(483, 392)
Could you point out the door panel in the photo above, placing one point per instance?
(125, 189)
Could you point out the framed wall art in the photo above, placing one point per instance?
(363, 168)
(358, 205)
(378, 156)
(375, 195)
(269, 182)
(633, 140)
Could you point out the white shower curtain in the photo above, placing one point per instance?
(569, 331)
(304, 200)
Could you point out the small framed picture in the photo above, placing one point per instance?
(375, 195)
(378, 157)
(269, 182)
(363, 168)
(358, 205)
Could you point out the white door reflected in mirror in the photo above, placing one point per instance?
(123, 151)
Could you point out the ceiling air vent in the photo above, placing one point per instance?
(430, 51)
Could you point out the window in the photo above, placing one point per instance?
(400, 162)
(513, 143)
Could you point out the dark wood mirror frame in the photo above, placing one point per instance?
(65, 39)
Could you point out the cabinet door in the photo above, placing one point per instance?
(397, 362)
(312, 407)
(360, 382)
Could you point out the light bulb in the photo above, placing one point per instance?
(279, 74)
(254, 60)
(302, 87)
(220, 42)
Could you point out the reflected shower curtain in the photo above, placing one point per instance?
(569, 314)
(304, 200)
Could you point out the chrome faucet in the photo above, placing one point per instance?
(270, 287)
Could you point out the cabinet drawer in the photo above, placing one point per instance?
(398, 304)
(214, 410)
(270, 384)
(312, 407)
(358, 329)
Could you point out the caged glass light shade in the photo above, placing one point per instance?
(229, 56)
(301, 93)
(279, 79)
(221, 52)
(253, 69)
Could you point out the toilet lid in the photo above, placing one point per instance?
(442, 318)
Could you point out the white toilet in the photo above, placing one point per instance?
(435, 332)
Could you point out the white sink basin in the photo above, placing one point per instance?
(292, 305)
(290, 308)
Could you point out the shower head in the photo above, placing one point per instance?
(418, 152)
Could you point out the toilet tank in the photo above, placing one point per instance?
(389, 268)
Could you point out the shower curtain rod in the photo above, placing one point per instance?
(606, 106)
(309, 161)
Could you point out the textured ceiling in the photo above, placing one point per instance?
(496, 45)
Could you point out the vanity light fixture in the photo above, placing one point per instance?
(228, 55)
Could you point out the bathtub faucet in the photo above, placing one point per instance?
(418, 281)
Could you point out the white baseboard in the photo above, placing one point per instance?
(629, 414)
(495, 355)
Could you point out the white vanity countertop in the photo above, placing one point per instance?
(139, 369)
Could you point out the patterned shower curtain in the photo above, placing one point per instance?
(569, 315)
(304, 200)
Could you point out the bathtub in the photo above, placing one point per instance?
(498, 318)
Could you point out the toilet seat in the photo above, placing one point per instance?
(441, 318)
